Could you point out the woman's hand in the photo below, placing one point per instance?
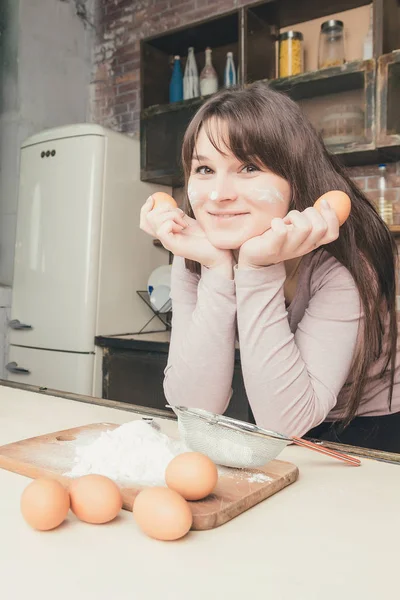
(293, 236)
(181, 235)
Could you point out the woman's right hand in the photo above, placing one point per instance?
(181, 235)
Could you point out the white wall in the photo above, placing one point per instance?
(46, 54)
(45, 83)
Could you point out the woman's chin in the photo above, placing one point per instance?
(222, 243)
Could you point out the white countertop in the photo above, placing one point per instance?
(333, 534)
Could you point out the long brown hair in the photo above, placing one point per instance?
(268, 128)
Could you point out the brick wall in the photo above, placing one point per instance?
(116, 80)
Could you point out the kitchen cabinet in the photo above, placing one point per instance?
(250, 32)
(344, 88)
(388, 100)
(133, 372)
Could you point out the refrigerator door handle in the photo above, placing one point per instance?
(14, 368)
(16, 324)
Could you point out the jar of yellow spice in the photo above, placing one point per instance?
(291, 54)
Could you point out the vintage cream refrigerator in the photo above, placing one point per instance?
(80, 256)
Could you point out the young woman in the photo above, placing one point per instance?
(312, 304)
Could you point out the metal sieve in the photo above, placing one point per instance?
(233, 443)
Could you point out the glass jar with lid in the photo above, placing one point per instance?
(291, 53)
(331, 44)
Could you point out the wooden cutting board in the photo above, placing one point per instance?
(237, 490)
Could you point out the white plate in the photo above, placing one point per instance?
(160, 276)
(160, 299)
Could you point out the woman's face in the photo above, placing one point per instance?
(233, 202)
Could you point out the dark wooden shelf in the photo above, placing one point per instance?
(323, 82)
(285, 13)
(395, 229)
(307, 85)
(223, 29)
(159, 109)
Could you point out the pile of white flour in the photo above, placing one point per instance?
(134, 452)
(137, 453)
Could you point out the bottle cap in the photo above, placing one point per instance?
(177, 57)
(291, 35)
(332, 24)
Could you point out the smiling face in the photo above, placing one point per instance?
(232, 201)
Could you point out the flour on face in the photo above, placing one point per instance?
(213, 195)
(192, 194)
(265, 194)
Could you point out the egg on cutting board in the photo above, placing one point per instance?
(191, 474)
(95, 498)
(45, 504)
(162, 513)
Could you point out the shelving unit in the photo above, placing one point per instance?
(333, 85)
(388, 100)
(395, 229)
(250, 33)
(157, 52)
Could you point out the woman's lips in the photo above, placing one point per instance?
(227, 216)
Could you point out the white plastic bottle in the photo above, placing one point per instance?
(191, 77)
(369, 38)
(385, 207)
(208, 77)
(230, 71)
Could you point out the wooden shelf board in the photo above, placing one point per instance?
(348, 73)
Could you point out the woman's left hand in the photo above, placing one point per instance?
(295, 235)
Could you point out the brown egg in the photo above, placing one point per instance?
(339, 201)
(192, 474)
(44, 504)
(95, 498)
(162, 513)
(162, 198)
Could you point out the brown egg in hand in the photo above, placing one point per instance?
(161, 198)
(162, 513)
(45, 504)
(192, 474)
(95, 498)
(339, 201)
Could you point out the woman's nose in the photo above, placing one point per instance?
(224, 189)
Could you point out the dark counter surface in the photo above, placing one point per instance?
(148, 342)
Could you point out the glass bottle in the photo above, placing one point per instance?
(385, 207)
(331, 44)
(230, 71)
(369, 38)
(191, 77)
(208, 77)
(176, 82)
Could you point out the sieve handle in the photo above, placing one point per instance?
(351, 460)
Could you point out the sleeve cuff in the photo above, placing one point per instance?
(256, 277)
(216, 281)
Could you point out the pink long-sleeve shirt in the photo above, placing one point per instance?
(295, 359)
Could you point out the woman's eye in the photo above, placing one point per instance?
(251, 168)
(203, 170)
